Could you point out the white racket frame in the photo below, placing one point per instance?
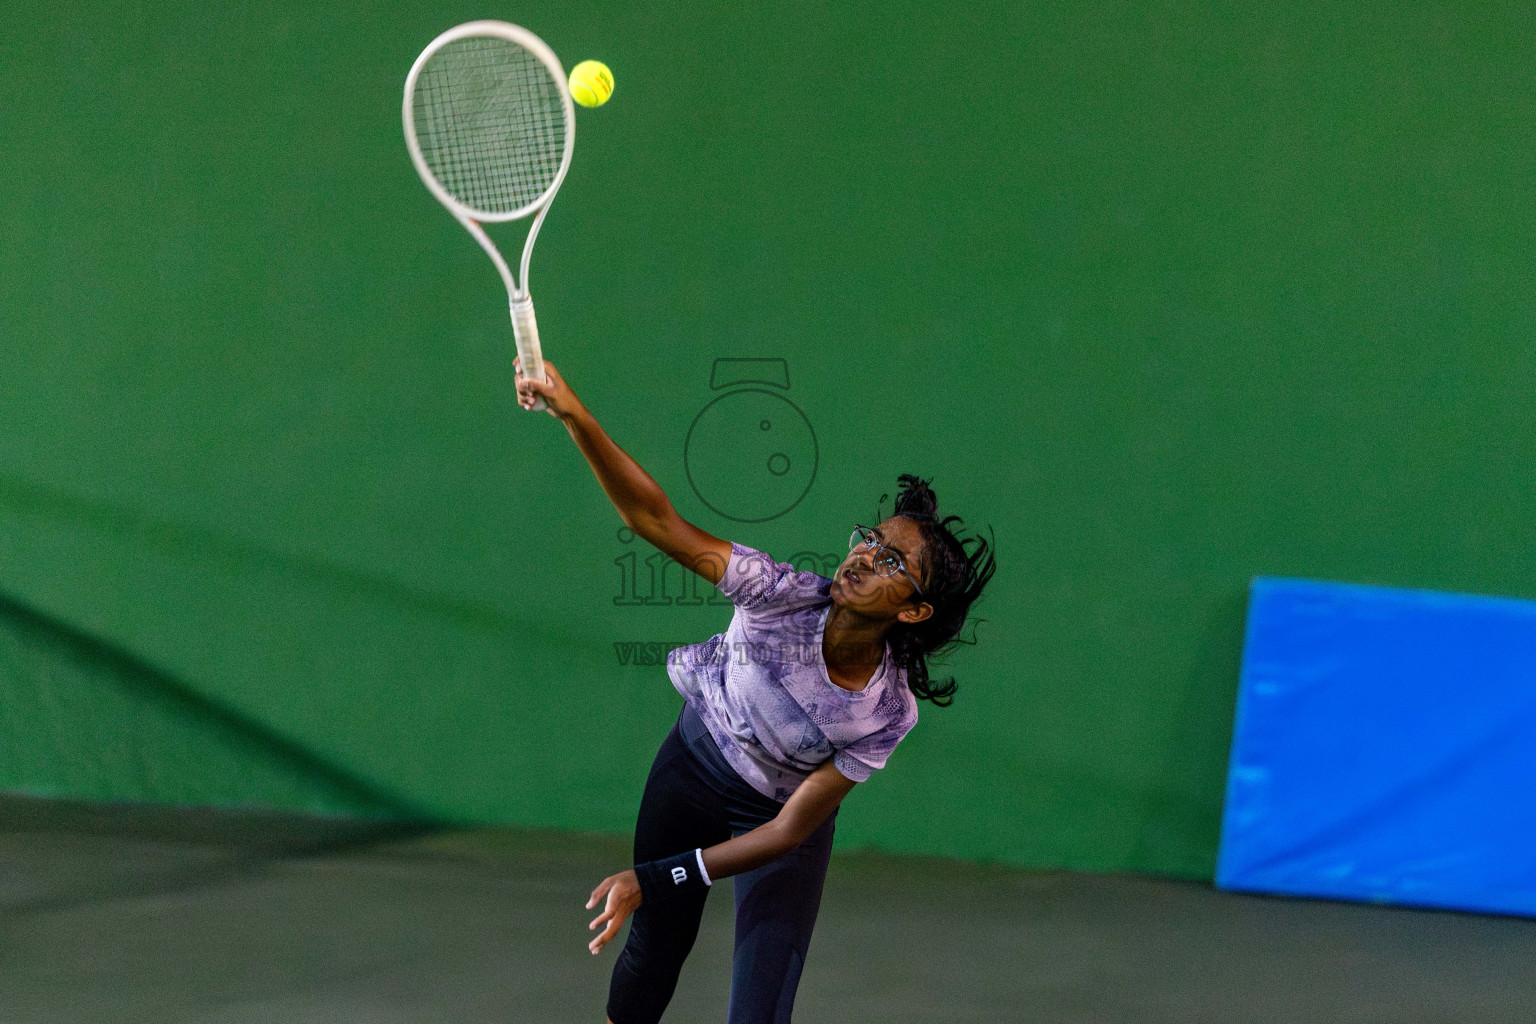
(525, 328)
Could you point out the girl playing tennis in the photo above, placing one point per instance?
(804, 696)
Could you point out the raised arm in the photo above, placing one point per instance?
(641, 503)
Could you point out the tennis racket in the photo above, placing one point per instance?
(490, 126)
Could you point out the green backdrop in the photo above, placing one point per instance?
(1169, 294)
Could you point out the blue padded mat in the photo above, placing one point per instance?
(1384, 748)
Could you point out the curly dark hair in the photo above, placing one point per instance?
(953, 578)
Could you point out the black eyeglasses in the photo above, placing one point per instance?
(886, 561)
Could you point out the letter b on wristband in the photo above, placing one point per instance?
(679, 875)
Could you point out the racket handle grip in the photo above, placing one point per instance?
(525, 330)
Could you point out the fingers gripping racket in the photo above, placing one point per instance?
(490, 126)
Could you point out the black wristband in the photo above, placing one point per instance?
(673, 876)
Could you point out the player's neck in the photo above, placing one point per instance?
(852, 647)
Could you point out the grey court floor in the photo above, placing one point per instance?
(134, 914)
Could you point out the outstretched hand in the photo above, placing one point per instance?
(623, 892)
(561, 400)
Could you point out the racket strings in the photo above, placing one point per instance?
(490, 123)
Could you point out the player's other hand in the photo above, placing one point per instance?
(623, 892)
(560, 399)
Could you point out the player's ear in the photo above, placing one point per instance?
(918, 614)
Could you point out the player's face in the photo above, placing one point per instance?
(860, 586)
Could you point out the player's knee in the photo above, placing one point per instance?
(658, 948)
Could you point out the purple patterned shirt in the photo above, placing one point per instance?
(762, 686)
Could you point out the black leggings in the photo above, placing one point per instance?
(693, 798)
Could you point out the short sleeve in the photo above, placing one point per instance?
(867, 755)
(851, 767)
(752, 579)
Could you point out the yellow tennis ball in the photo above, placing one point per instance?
(591, 83)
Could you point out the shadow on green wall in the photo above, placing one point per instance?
(80, 717)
